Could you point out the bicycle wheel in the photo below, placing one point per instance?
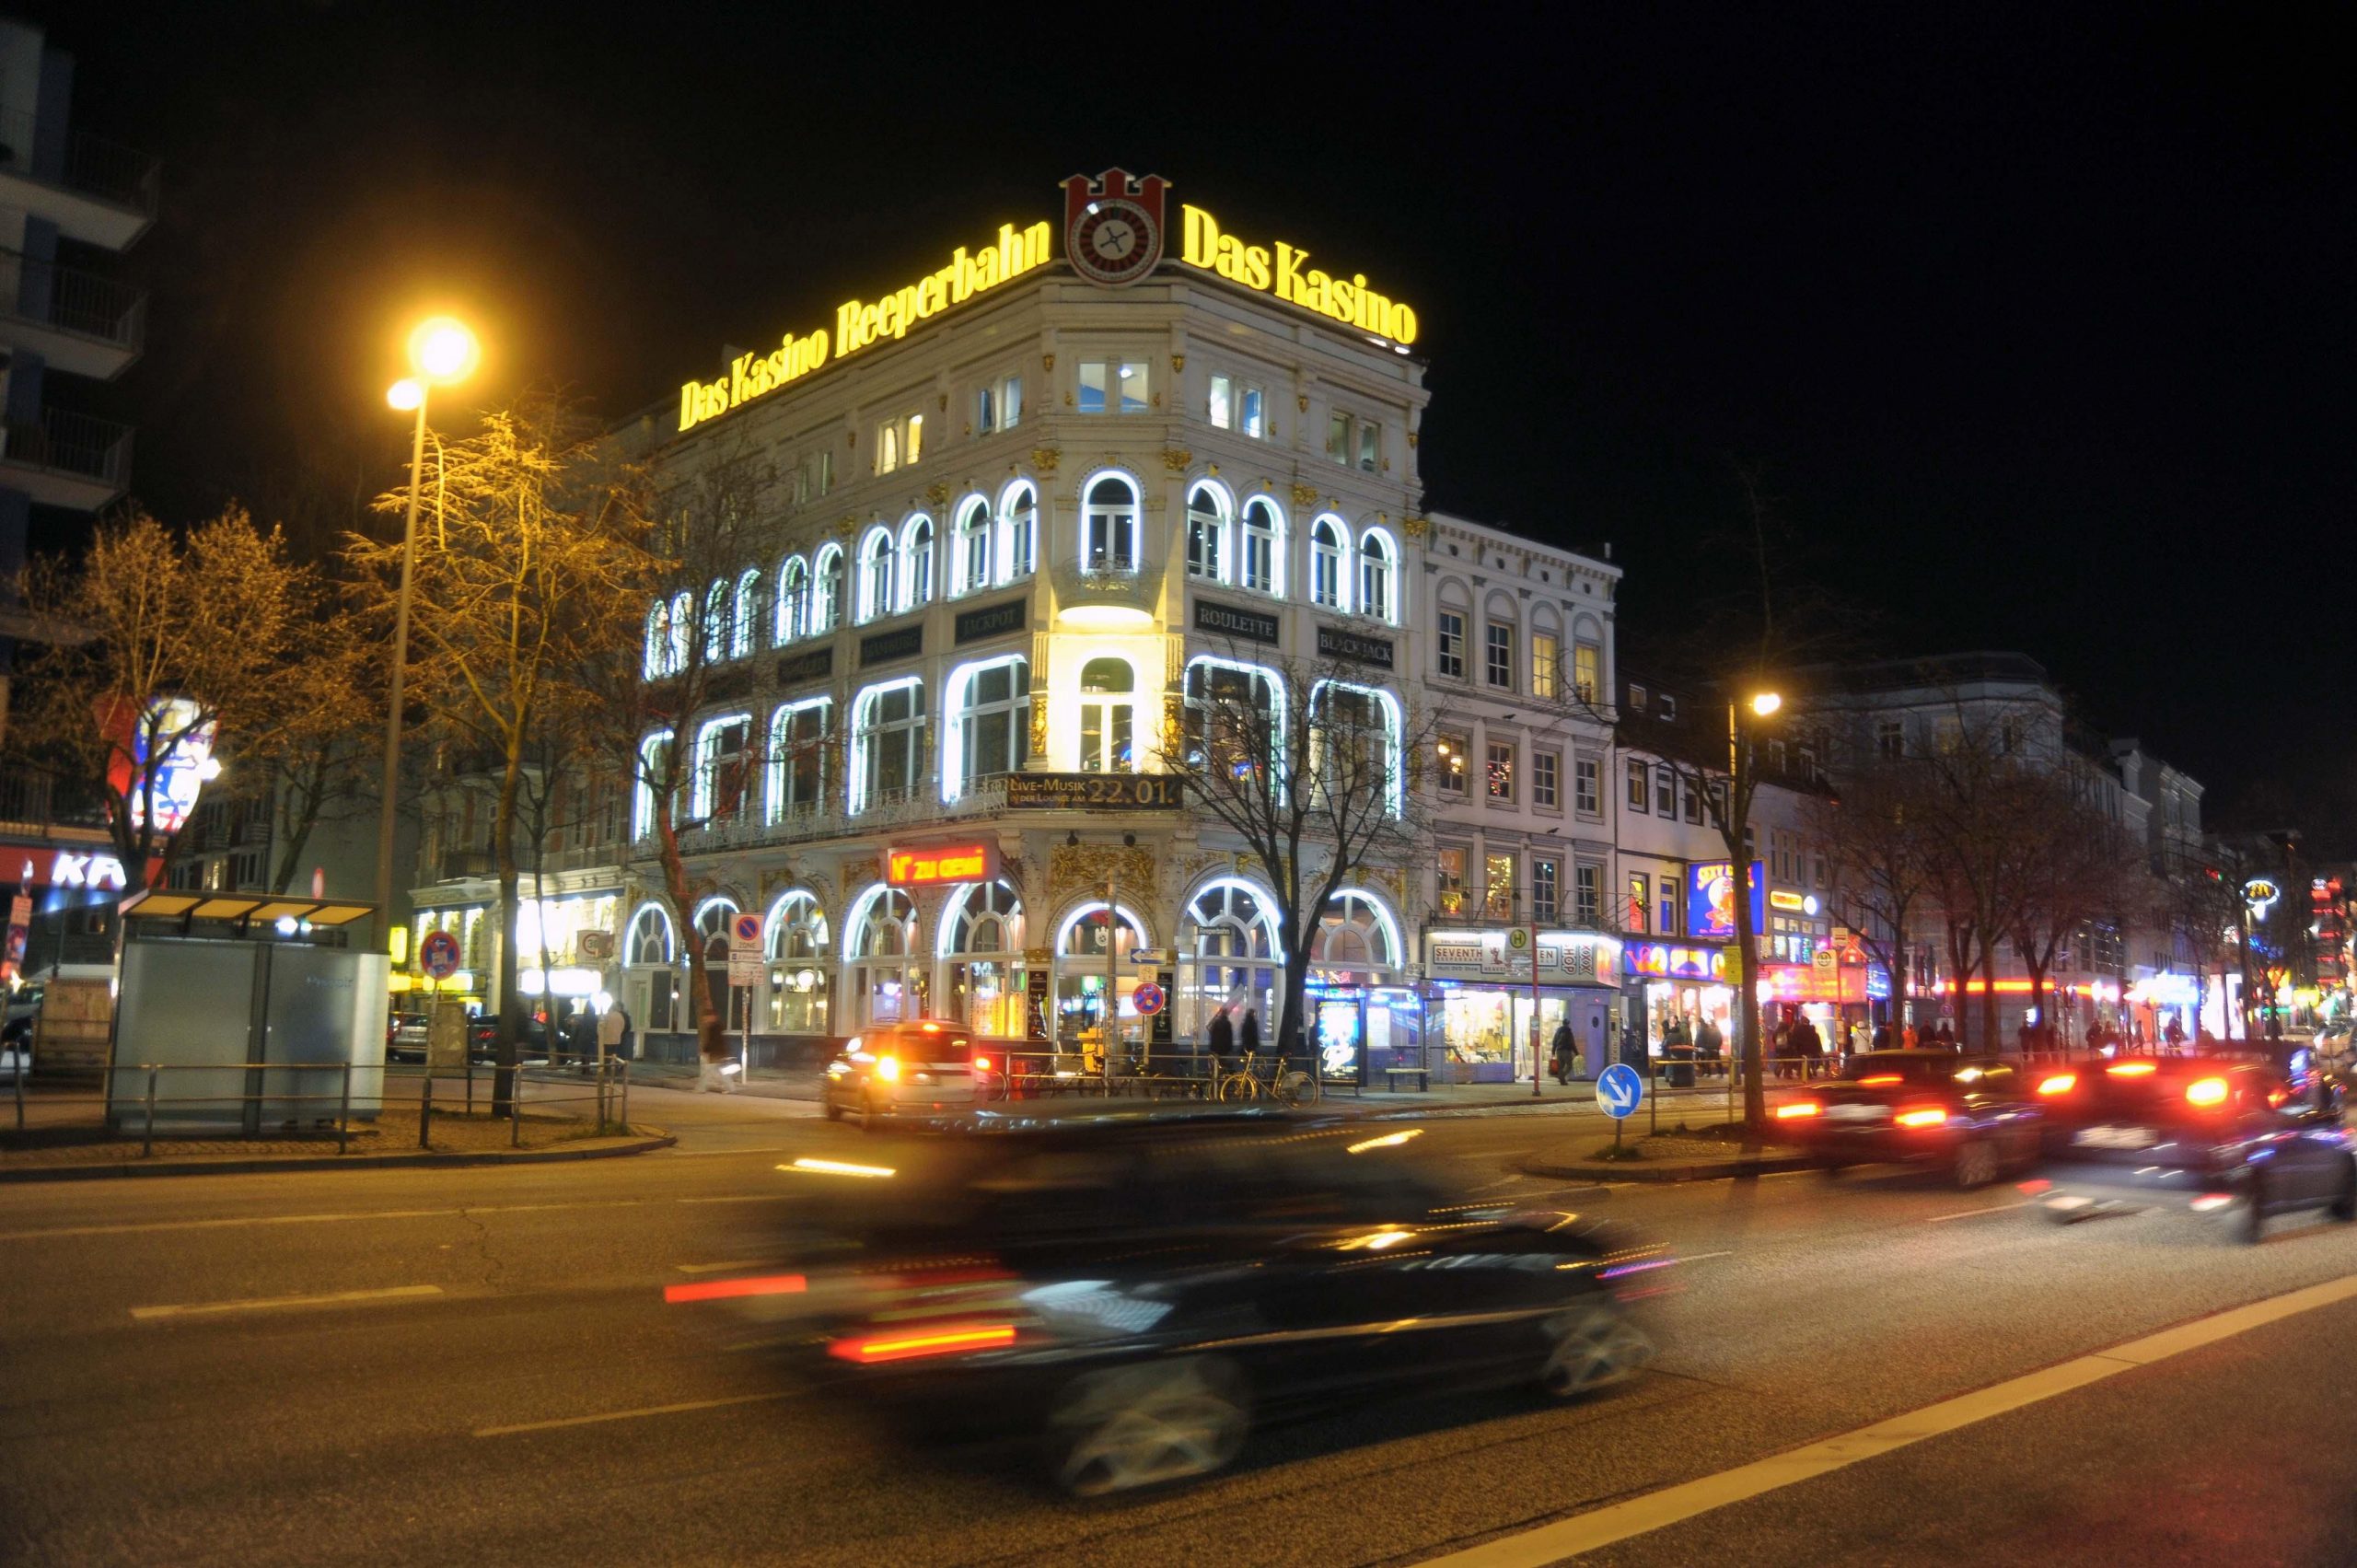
(1294, 1087)
(1238, 1087)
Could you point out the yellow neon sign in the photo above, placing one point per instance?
(1347, 300)
(859, 323)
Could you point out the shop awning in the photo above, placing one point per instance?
(167, 903)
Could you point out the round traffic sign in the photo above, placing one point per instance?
(438, 955)
(747, 929)
(1147, 998)
(1617, 1090)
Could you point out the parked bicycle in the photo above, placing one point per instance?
(1280, 1080)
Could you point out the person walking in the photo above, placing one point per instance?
(1881, 1036)
(1220, 1040)
(2175, 1036)
(1248, 1038)
(611, 1023)
(1559, 1057)
(1710, 1046)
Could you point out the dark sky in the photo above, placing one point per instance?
(2036, 322)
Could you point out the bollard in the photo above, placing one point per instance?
(625, 1067)
(425, 1113)
(343, 1115)
(147, 1145)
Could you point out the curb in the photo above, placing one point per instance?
(1685, 1170)
(234, 1167)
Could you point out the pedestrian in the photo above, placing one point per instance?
(1221, 1038)
(1709, 1044)
(1249, 1036)
(611, 1025)
(1943, 1037)
(2175, 1036)
(1882, 1035)
(582, 1030)
(1805, 1045)
(1559, 1057)
(1907, 1037)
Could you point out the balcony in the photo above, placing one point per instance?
(805, 824)
(95, 191)
(78, 322)
(68, 459)
(1106, 595)
(456, 865)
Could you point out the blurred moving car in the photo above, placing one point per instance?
(2199, 1134)
(928, 1065)
(1140, 1292)
(1972, 1114)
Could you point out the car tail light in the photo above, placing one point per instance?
(2034, 1186)
(2131, 1069)
(2206, 1091)
(1879, 1079)
(910, 1344)
(729, 1290)
(981, 1064)
(1792, 1109)
(1922, 1116)
(889, 1069)
(2061, 1083)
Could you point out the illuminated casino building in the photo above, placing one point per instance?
(1016, 511)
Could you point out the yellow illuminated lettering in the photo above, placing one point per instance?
(1290, 283)
(1256, 268)
(1200, 243)
(688, 403)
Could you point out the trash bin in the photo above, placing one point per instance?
(1681, 1066)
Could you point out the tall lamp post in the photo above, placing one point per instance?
(441, 351)
(1749, 1047)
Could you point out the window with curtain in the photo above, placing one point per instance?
(1108, 696)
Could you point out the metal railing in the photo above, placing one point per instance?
(73, 300)
(1130, 585)
(72, 443)
(918, 804)
(77, 161)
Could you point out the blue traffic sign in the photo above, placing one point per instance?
(1618, 1089)
(438, 955)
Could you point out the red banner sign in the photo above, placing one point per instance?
(923, 867)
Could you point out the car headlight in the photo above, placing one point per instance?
(889, 1069)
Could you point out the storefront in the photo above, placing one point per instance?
(1481, 998)
(1680, 982)
(1363, 1017)
(1830, 996)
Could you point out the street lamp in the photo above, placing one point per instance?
(1738, 823)
(441, 351)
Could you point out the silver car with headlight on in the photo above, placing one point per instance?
(905, 1069)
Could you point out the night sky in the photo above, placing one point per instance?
(2037, 325)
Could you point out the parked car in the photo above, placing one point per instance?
(1141, 1292)
(2203, 1136)
(929, 1066)
(1972, 1115)
(405, 1038)
(482, 1039)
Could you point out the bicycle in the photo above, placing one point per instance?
(1288, 1086)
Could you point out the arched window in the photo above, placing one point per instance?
(1081, 978)
(1355, 733)
(653, 767)
(724, 777)
(1357, 933)
(1235, 718)
(1109, 537)
(1262, 565)
(650, 943)
(888, 449)
(916, 562)
(1207, 532)
(989, 733)
(1018, 518)
(797, 937)
(751, 612)
(798, 758)
(972, 573)
(1107, 716)
(879, 948)
(718, 602)
(887, 743)
(713, 917)
(982, 945)
(1329, 564)
(826, 588)
(876, 555)
(683, 630)
(1229, 956)
(1376, 584)
(657, 662)
(792, 600)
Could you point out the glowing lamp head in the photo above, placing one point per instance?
(1765, 702)
(442, 349)
(407, 394)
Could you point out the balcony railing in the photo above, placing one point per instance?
(1079, 583)
(90, 166)
(803, 824)
(73, 300)
(72, 443)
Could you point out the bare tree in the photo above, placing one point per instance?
(531, 564)
(1981, 812)
(1875, 835)
(1306, 763)
(189, 638)
(2077, 868)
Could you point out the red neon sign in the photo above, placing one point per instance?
(975, 862)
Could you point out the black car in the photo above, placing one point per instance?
(1972, 1115)
(2204, 1136)
(1143, 1292)
(482, 1039)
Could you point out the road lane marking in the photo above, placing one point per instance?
(147, 1227)
(1976, 1213)
(631, 1415)
(261, 1304)
(1603, 1527)
(719, 1268)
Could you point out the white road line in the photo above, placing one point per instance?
(155, 1225)
(718, 1267)
(338, 1299)
(714, 1154)
(629, 1416)
(1976, 1213)
(1641, 1515)
(1698, 1257)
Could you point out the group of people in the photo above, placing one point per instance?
(1232, 1038)
(1907, 1037)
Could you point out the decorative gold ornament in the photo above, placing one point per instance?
(846, 526)
(1412, 439)
(1304, 495)
(1176, 459)
(1303, 400)
(1073, 868)
(1045, 458)
(938, 494)
(1047, 361)
(1416, 528)
(1039, 729)
(1068, 402)
(945, 402)
(1179, 362)
(1213, 471)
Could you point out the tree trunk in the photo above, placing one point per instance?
(511, 1006)
(711, 1045)
(2037, 990)
(1746, 1001)
(1987, 999)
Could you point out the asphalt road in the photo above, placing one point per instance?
(477, 1366)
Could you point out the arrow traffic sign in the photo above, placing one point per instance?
(1617, 1090)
